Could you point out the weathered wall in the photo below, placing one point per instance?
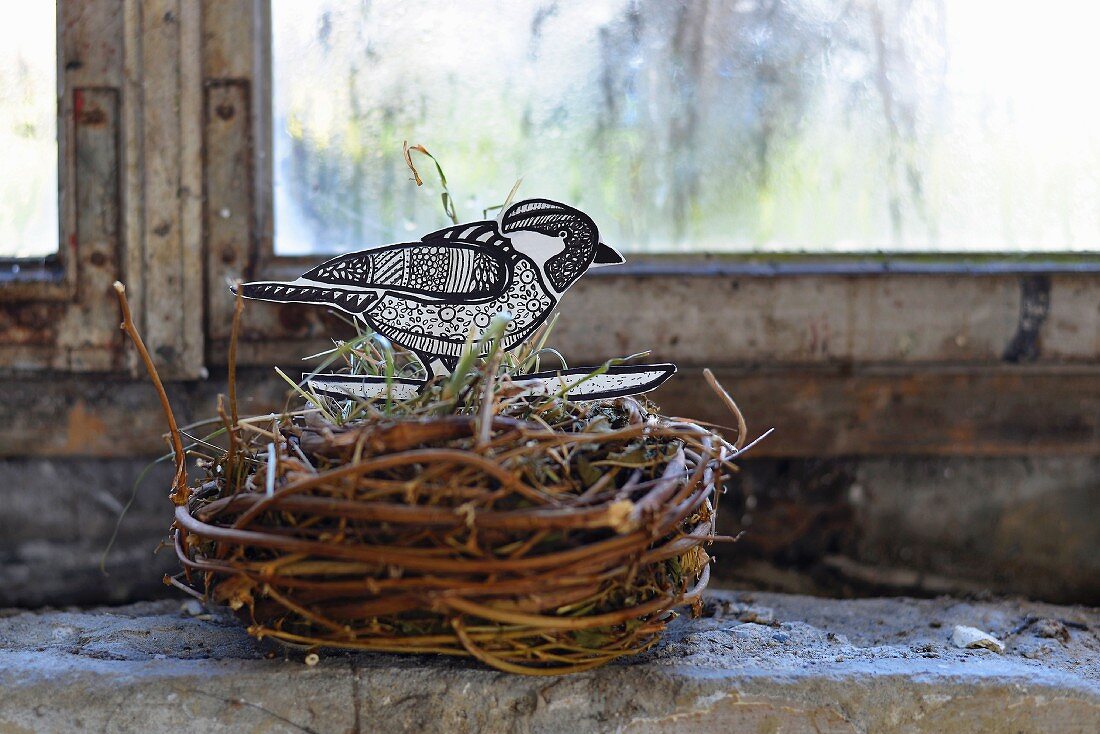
(57, 519)
(851, 527)
(917, 526)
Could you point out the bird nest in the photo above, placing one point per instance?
(536, 550)
(538, 535)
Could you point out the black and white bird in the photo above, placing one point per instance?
(428, 296)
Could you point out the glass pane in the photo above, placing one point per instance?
(729, 125)
(28, 129)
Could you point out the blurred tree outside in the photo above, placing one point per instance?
(28, 129)
(696, 125)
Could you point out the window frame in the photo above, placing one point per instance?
(845, 355)
(130, 164)
(51, 294)
(864, 280)
(861, 333)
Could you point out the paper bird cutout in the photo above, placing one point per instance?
(428, 296)
(578, 383)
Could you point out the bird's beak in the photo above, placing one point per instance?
(607, 255)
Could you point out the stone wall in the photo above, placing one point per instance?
(754, 663)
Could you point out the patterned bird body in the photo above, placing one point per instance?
(429, 296)
(440, 328)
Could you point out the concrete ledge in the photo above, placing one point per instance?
(758, 662)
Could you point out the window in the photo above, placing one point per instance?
(200, 141)
(28, 130)
(726, 126)
(107, 167)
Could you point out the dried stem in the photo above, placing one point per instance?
(238, 307)
(742, 427)
(180, 492)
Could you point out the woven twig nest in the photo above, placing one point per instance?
(533, 533)
(534, 545)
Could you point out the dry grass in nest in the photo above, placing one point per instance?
(539, 536)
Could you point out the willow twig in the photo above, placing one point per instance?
(234, 334)
(742, 427)
(180, 493)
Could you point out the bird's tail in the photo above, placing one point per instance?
(351, 301)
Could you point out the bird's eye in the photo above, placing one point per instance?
(564, 233)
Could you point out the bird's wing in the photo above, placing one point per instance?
(485, 234)
(457, 265)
